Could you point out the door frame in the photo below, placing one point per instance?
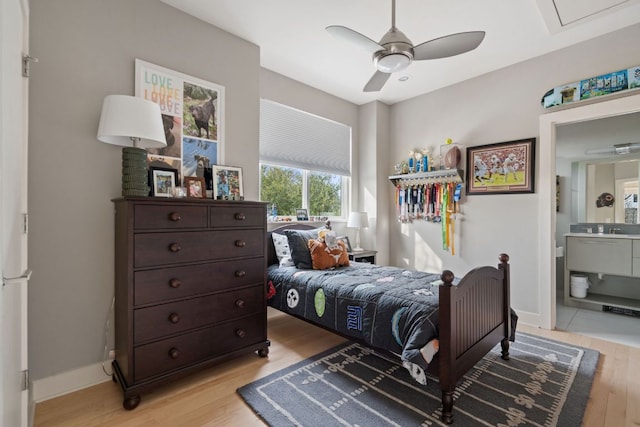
(547, 189)
(14, 397)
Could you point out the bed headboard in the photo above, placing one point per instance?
(271, 251)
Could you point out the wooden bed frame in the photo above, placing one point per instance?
(474, 317)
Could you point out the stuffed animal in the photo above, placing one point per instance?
(327, 251)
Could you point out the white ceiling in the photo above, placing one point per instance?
(293, 41)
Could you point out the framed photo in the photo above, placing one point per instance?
(502, 168)
(196, 186)
(346, 241)
(162, 181)
(302, 215)
(227, 183)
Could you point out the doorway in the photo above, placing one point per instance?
(547, 192)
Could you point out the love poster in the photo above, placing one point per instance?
(193, 117)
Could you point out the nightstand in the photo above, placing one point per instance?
(363, 256)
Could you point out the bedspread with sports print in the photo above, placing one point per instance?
(387, 307)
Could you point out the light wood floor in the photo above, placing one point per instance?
(208, 398)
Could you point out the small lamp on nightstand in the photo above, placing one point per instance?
(135, 124)
(358, 220)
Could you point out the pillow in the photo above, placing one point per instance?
(324, 256)
(281, 245)
(298, 245)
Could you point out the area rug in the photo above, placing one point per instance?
(545, 383)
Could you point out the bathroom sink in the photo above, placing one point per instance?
(615, 236)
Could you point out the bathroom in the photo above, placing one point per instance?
(593, 176)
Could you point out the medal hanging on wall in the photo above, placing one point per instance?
(445, 222)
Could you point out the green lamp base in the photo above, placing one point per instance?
(135, 180)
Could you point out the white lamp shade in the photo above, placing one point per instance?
(131, 121)
(358, 220)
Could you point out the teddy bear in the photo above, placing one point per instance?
(327, 251)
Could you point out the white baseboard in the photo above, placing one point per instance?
(531, 319)
(67, 382)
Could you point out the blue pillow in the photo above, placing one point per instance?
(299, 246)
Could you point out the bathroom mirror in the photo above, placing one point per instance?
(605, 190)
(611, 177)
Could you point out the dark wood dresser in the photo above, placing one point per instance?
(190, 287)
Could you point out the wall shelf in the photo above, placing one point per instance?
(439, 176)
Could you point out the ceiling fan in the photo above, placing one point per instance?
(395, 52)
(626, 148)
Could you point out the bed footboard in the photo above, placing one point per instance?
(474, 317)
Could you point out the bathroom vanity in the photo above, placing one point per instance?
(612, 264)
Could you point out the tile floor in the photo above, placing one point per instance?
(607, 326)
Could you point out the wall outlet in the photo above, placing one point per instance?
(112, 354)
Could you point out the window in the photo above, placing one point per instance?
(631, 202)
(290, 188)
(305, 161)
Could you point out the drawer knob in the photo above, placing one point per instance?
(175, 216)
(240, 216)
(240, 333)
(241, 273)
(240, 243)
(174, 353)
(175, 283)
(174, 318)
(174, 247)
(240, 303)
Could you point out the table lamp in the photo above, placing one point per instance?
(358, 220)
(135, 124)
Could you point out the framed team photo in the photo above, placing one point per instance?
(502, 168)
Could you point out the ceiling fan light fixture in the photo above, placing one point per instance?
(392, 62)
(395, 52)
(623, 148)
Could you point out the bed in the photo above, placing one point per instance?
(401, 312)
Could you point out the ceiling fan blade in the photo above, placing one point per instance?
(354, 37)
(451, 45)
(376, 82)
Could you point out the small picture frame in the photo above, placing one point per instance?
(162, 181)
(346, 241)
(227, 183)
(302, 215)
(196, 187)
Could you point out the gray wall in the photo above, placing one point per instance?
(496, 107)
(86, 50)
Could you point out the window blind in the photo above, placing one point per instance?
(294, 138)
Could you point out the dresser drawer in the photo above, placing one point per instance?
(167, 319)
(157, 249)
(174, 216)
(238, 216)
(166, 284)
(171, 354)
